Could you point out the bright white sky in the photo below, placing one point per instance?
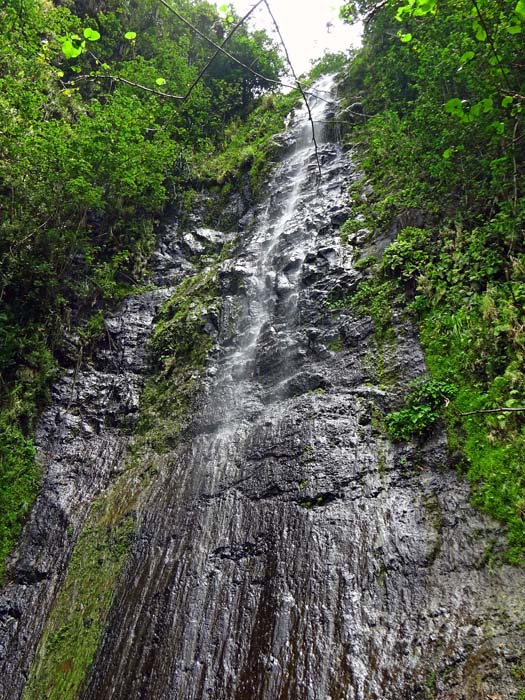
(303, 24)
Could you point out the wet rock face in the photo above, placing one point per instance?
(82, 440)
(292, 551)
(289, 550)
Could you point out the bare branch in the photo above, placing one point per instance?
(119, 79)
(494, 410)
(219, 48)
(370, 14)
(490, 40)
(299, 86)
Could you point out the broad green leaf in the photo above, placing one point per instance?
(224, 8)
(520, 10)
(69, 50)
(405, 38)
(91, 34)
(514, 29)
(424, 7)
(454, 106)
(467, 56)
(405, 9)
(160, 81)
(475, 110)
(130, 36)
(448, 153)
(506, 101)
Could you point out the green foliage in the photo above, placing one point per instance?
(19, 481)
(249, 146)
(422, 409)
(444, 164)
(329, 63)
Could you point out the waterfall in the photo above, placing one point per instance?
(287, 550)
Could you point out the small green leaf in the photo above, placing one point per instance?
(520, 10)
(506, 101)
(467, 56)
(130, 36)
(224, 8)
(160, 81)
(499, 127)
(91, 34)
(405, 38)
(106, 66)
(481, 34)
(448, 153)
(514, 29)
(487, 105)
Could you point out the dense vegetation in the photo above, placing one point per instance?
(89, 161)
(436, 95)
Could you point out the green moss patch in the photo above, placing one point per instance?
(180, 346)
(76, 624)
(19, 483)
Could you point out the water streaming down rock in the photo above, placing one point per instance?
(290, 551)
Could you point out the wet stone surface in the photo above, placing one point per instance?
(289, 550)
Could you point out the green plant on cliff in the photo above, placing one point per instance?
(422, 408)
(441, 148)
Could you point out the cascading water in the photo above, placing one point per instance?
(290, 551)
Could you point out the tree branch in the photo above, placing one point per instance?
(493, 410)
(490, 40)
(233, 58)
(220, 48)
(370, 14)
(119, 79)
(298, 84)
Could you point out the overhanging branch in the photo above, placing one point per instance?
(298, 84)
